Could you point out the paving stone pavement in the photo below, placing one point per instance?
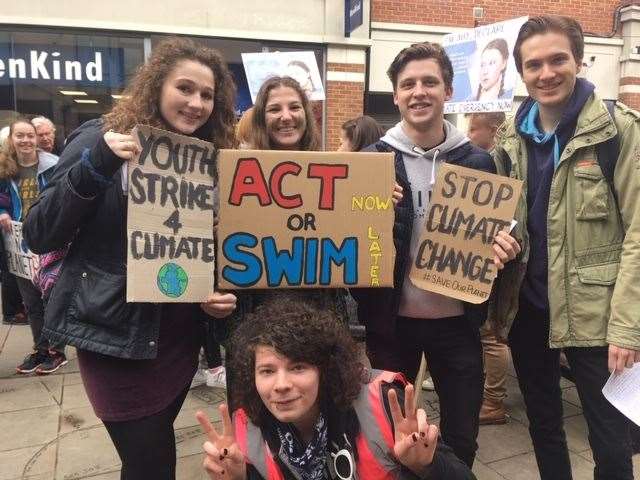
(48, 430)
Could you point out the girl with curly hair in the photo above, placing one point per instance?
(136, 359)
(306, 408)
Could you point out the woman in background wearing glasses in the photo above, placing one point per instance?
(306, 408)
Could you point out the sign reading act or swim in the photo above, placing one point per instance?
(468, 209)
(170, 218)
(305, 219)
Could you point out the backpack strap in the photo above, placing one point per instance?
(607, 153)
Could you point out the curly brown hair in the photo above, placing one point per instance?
(8, 155)
(141, 99)
(299, 330)
(310, 140)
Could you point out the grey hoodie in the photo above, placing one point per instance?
(422, 167)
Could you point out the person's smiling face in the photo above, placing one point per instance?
(186, 99)
(285, 118)
(288, 389)
(549, 68)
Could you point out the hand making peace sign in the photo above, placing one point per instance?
(415, 438)
(223, 459)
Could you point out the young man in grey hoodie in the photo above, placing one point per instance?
(403, 322)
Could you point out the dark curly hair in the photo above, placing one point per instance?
(141, 100)
(299, 330)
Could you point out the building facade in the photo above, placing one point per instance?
(72, 63)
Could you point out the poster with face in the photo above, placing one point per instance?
(484, 72)
(301, 66)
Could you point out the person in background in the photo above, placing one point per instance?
(358, 133)
(12, 306)
(243, 129)
(306, 408)
(46, 131)
(25, 170)
(136, 360)
(481, 131)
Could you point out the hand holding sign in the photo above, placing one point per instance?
(464, 242)
(5, 222)
(123, 146)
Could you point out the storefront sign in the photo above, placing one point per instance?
(353, 15)
(305, 219)
(468, 209)
(171, 204)
(61, 65)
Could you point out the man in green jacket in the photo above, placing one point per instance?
(575, 285)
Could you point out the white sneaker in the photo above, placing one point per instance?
(216, 377)
(427, 384)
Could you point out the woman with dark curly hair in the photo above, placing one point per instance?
(136, 359)
(306, 408)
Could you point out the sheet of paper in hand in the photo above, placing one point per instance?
(305, 219)
(455, 255)
(172, 193)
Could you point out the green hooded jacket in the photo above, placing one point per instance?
(593, 237)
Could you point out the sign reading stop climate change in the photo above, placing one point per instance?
(172, 196)
(455, 254)
(305, 219)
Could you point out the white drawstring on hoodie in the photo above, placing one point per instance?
(422, 152)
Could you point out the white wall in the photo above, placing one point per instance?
(316, 21)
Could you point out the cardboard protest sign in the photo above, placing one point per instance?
(172, 194)
(305, 219)
(20, 260)
(484, 72)
(468, 209)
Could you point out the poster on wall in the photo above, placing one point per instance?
(484, 72)
(21, 261)
(305, 219)
(171, 200)
(455, 254)
(302, 66)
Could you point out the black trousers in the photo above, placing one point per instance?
(538, 370)
(11, 298)
(454, 354)
(147, 446)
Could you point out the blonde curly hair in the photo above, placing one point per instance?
(8, 155)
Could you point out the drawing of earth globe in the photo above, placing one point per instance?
(172, 280)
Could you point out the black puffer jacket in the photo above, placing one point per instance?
(87, 307)
(378, 307)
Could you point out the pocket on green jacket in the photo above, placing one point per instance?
(592, 194)
(605, 274)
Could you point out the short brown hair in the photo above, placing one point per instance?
(300, 329)
(550, 23)
(310, 140)
(421, 51)
(362, 131)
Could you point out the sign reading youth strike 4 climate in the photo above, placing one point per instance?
(305, 219)
(455, 254)
(172, 193)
